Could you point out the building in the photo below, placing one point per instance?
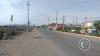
(88, 28)
(54, 26)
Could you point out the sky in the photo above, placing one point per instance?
(40, 10)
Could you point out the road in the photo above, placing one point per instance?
(48, 43)
(69, 43)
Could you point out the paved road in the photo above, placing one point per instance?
(69, 43)
(47, 43)
(29, 44)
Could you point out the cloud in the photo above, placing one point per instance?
(40, 10)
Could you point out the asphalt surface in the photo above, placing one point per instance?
(48, 43)
(69, 43)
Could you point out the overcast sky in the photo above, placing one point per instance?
(40, 10)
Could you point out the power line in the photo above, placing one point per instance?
(16, 6)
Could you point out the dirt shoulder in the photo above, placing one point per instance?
(29, 44)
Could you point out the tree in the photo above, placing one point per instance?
(97, 26)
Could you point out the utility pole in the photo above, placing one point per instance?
(28, 22)
(71, 18)
(85, 24)
(57, 17)
(76, 20)
(63, 23)
(73, 21)
(85, 19)
(48, 21)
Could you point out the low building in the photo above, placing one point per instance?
(54, 26)
(88, 28)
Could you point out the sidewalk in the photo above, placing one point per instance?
(29, 44)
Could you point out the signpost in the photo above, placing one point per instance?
(11, 24)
